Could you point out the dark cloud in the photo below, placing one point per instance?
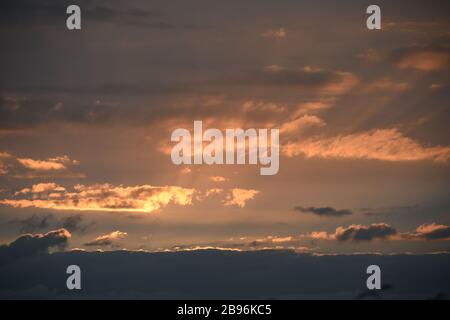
(443, 233)
(27, 13)
(324, 211)
(325, 81)
(365, 233)
(74, 223)
(431, 231)
(32, 244)
(388, 211)
(39, 223)
(34, 223)
(214, 274)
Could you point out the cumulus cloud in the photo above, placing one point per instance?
(103, 197)
(365, 233)
(107, 239)
(239, 197)
(357, 232)
(379, 144)
(324, 211)
(432, 231)
(31, 244)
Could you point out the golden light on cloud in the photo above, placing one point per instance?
(239, 197)
(426, 60)
(380, 144)
(103, 197)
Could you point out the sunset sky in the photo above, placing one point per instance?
(86, 118)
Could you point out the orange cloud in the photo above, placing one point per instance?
(432, 231)
(40, 165)
(300, 124)
(357, 232)
(103, 197)
(275, 33)
(32, 168)
(369, 56)
(239, 197)
(107, 239)
(423, 58)
(218, 179)
(282, 239)
(385, 84)
(380, 144)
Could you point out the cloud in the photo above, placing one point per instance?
(239, 197)
(386, 85)
(430, 231)
(73, 223)
(107, 239)
(422, 58)
(27, 13)
(275, 33)
(33, 223)
(268, 274)
(357, 232)
(415, 26)
(218, 179)
(320, 80)
(32, 244)
(281, 239)
(324, 211)
(19, 167)
(379, 144)
(39, 223)
(106, 197)
(300, 124)
(369, 56)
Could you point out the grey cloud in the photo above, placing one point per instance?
(39, 223)
(33, 223)
(388, 211)
(26, 13)
(431, 231)
(365, 233)
(443, 233)
(32, 244)
(323, 211)
(298, 78)
(214, 274)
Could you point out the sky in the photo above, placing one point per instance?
(86, 118)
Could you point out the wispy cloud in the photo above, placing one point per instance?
(27, 167)
(379, 144)
(324, 211)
